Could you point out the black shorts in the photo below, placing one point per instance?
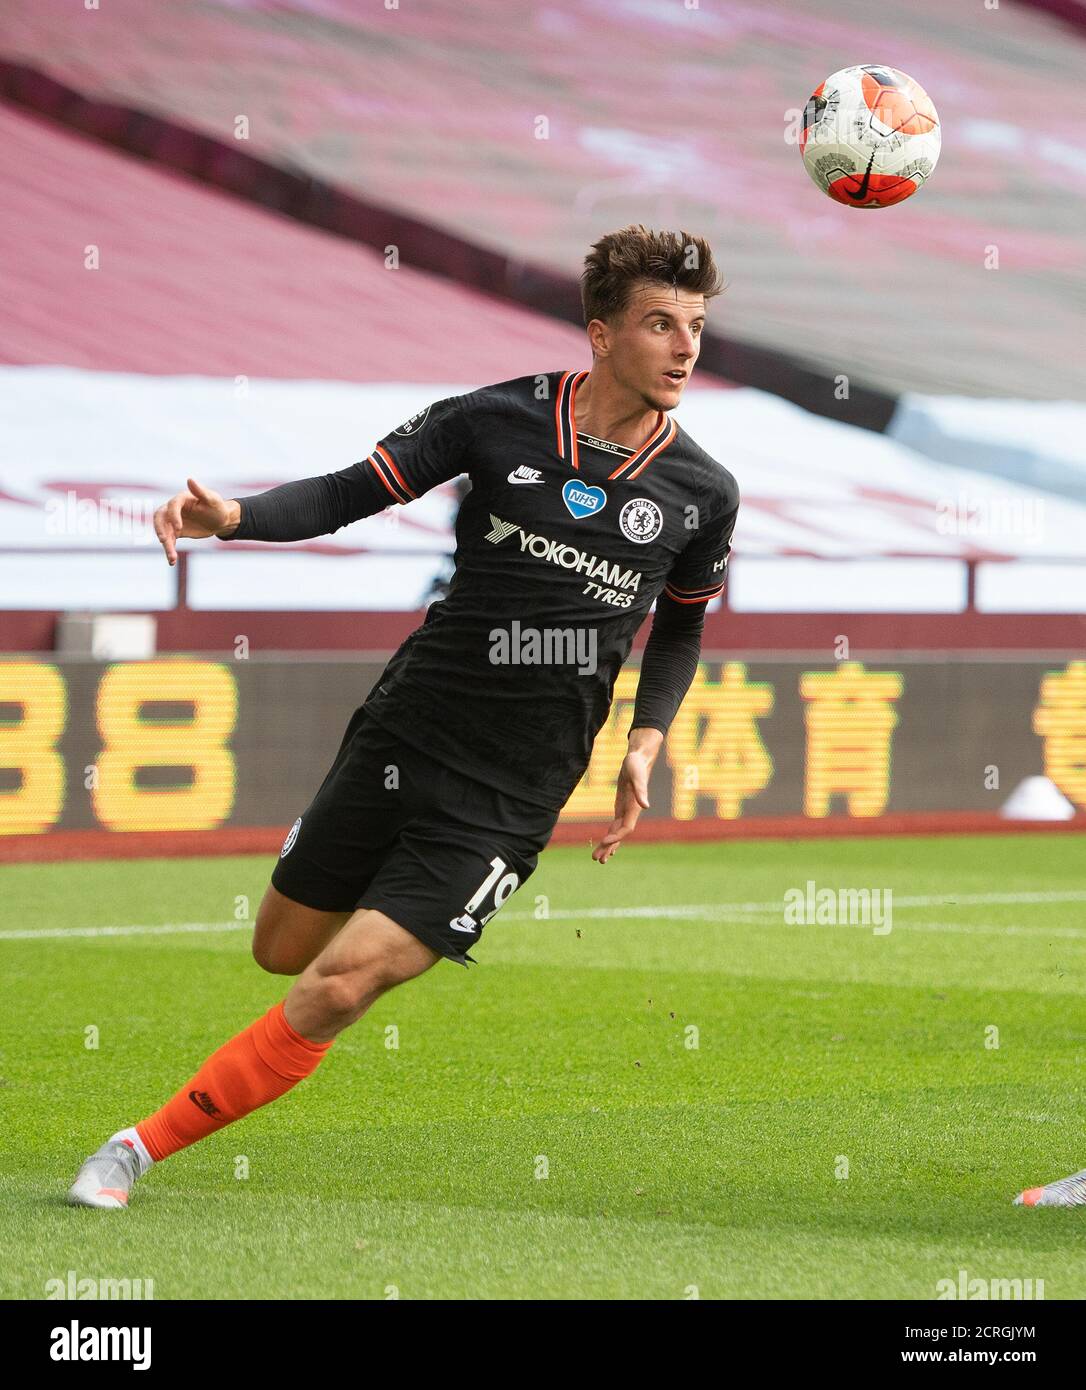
(392, 829)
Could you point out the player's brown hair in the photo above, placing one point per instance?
(619, 260)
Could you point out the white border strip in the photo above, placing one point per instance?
(702, 912)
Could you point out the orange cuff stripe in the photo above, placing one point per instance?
(692, 595)
(395, 495)
(395, 471)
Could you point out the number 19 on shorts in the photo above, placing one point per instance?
(501, 884)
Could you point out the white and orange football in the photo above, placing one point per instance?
(870, 136)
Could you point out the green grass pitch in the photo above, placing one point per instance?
(846, 1126)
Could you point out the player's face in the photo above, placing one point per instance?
(660, 333)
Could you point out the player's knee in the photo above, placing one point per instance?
(356, 969)
(344, 995)
(351, 981)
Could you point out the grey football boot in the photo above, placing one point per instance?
(106, 1178)
(1067, 1192)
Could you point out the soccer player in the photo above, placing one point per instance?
(588, 503)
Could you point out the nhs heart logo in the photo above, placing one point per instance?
(582, 500)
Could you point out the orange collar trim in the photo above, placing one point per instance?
(565, 428)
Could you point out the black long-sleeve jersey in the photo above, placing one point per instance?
(562, 545)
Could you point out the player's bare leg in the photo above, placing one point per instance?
(370, 955)
(366, 958)
(289, 935)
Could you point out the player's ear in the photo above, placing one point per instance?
(597, 338)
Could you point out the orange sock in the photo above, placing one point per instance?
(256, 1067)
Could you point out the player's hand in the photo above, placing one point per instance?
(631, 798)
(195, 513)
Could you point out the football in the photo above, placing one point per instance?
(870, 136)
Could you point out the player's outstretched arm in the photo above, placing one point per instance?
(431, 448)
(194, 514)
(295, 511)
